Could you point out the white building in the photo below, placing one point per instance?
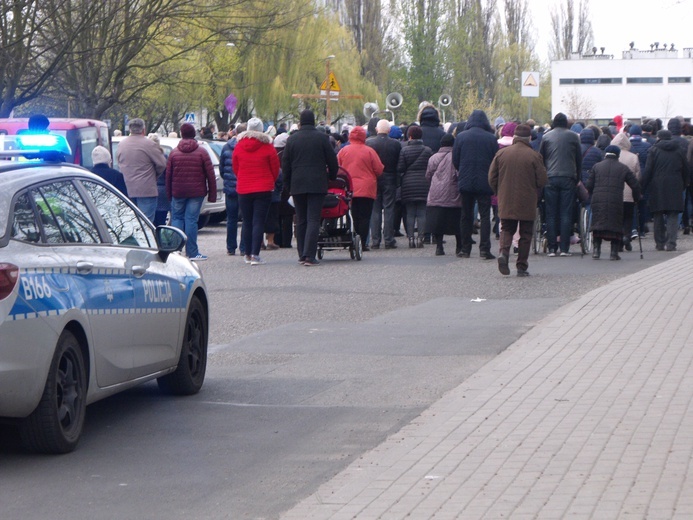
(643, 84)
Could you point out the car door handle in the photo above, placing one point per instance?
(139, 270)
(84, 267)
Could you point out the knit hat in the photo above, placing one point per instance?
(508, 129)
(187, 131)
(395, 132)
(664, 135)
(523, 131)
(383, 126)
(255, 125)
(613, 149)
(674, 126)
(499, 122)
(280, 140)
(447, 140)
(307, 118)
(635, 130)
(100, 155)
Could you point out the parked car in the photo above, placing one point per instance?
(93, 299)
(214, 211)
(82, 135)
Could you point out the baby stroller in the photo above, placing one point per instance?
(336, 226)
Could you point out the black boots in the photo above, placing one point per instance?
(615, 246)
(596, 248)
(439, 245)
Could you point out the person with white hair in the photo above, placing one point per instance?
(101, 159)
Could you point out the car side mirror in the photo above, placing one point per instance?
(169, 240)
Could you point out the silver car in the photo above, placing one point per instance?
(211, 211)
(93, 299)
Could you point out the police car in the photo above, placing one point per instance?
(93, 299)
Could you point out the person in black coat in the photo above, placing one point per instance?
(432, 132)
(413, 161)
(308, 162)
(472, 154)
(591, 155)
(666, 175)
(101, 159)
(388, 150)
(605, 185)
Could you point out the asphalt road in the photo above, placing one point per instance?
(309, 368)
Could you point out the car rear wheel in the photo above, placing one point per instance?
(192, 364)
(56, 424)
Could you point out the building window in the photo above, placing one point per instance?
(590, 81)
(680, 79)
(644, 80)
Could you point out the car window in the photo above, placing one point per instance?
(124, 225)
(25, 226)
(64, 215)
(87, 141)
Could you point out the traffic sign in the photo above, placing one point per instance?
(190, 117)
(530, 84)
(331, 84)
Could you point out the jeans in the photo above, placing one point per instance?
(254, 207)
(559, 196)
(147, 205)
(416, 218)
(361, 211)
(184, 215)
(469, 216)
(308, 207)
(232, 225)
(384, 202)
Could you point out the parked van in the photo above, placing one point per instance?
(83, 135)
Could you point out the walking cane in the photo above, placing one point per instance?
(637, 219)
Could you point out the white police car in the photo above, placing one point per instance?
(93, 299)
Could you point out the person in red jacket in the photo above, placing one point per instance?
(189, 179)
(364, 166)
(256, 164)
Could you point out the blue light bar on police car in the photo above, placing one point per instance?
(48, 147)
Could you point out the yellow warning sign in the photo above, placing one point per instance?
(331, 84)
(530, 81)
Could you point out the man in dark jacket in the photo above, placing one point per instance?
(640, 147)
(562, 155)
(229, 176)
(307, 164)
(516, 174)
(666, 176)
(388, 150)
(675, 126)
(591, 155)
(472, 154)
(189, 179)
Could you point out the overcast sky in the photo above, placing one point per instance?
(618, 22)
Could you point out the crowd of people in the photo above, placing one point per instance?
(468, 179)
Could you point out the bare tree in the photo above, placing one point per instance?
(578, 106)
(572, 32)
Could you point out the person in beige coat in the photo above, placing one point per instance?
(633, 162)
(516, 175)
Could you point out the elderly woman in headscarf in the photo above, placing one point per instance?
(605, 184)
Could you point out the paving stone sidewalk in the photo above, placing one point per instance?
(589, 415)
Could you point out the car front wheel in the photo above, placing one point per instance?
(56, 424)
(192, 363)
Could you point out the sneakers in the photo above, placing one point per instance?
(198, 258)
(503, 265)
(247, 259)
(256, 260)
(311, 263)
(551, 254)
(568, 253)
